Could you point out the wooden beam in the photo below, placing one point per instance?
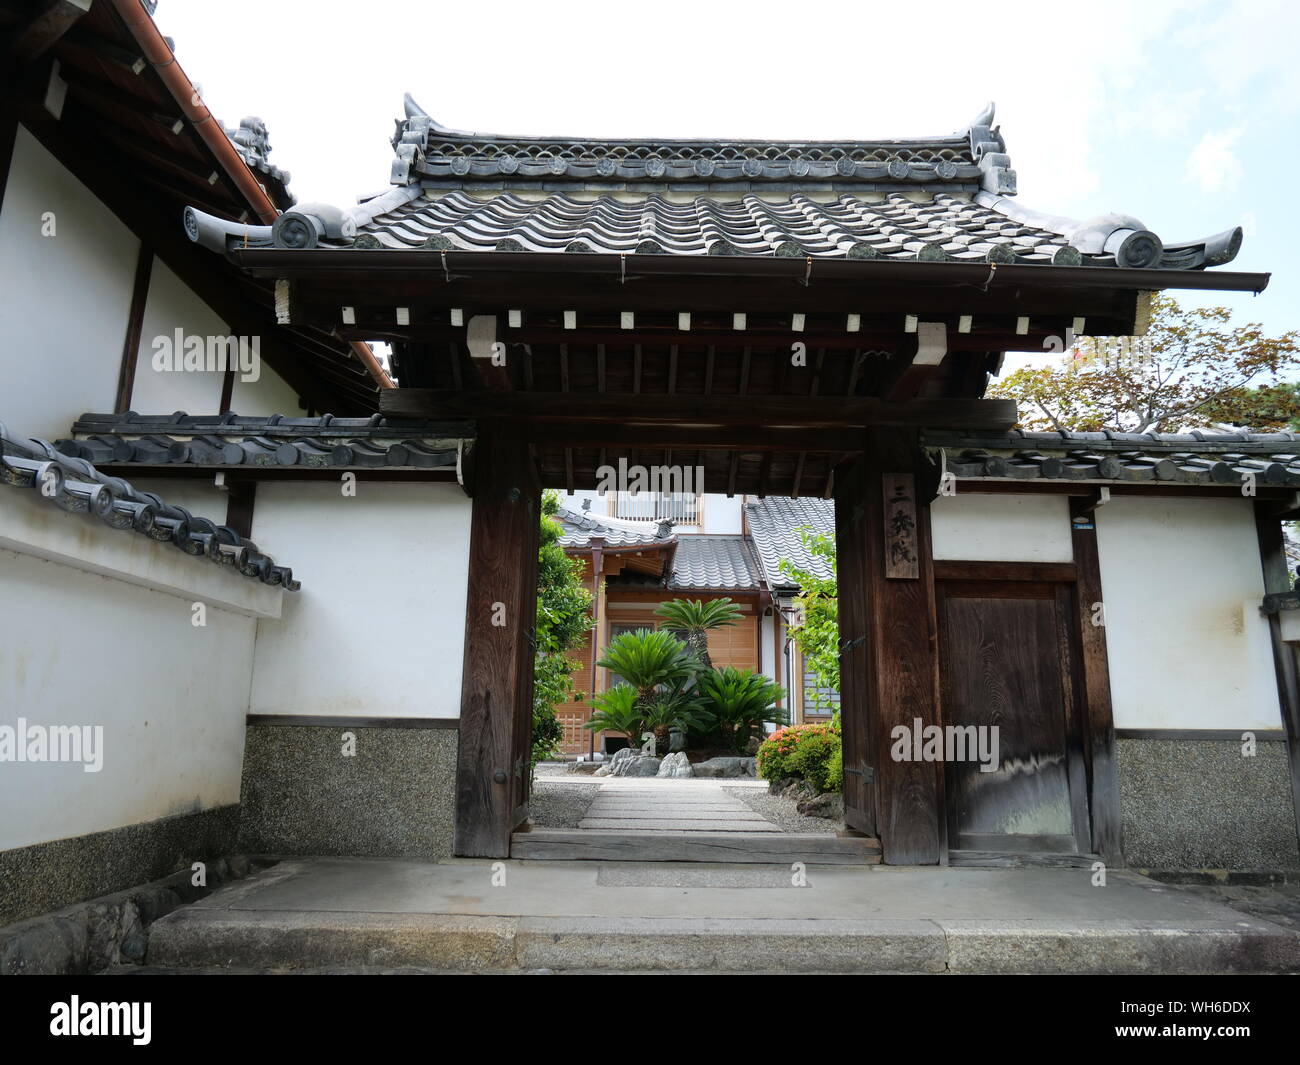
(1098, 719)
(735, 438)
(914, 365)
(134, 325)
(493, 767)
(827, 412)
(55, 18)
(240, 504)
(1277, 581)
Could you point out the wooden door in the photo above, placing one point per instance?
(1007, 662)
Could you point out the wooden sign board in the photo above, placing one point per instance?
(900, 527)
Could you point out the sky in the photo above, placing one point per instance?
(1182, 113)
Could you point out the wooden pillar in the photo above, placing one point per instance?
(492, 772)
(889, 647)
(1277, 580)
(1094, 674)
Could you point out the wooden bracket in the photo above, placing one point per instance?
(1099, 499)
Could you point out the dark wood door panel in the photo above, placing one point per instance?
(1005, 666)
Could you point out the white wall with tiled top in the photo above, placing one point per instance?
(98, 629)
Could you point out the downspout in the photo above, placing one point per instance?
(597, 565)
(155, 49)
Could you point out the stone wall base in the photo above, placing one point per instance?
(49, 876)
(395, 797)
(1199, 804)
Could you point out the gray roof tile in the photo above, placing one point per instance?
(76, 486)
(932, 199)
(1195, 457)
(232, 440)
(775, 524)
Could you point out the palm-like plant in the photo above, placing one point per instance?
(740, 701)
(691, 619)
(675, 707)
(616, 710)
(650, 660)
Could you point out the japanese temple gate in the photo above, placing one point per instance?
(790, 317)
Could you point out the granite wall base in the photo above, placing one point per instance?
(393, 797)
(1200, 804)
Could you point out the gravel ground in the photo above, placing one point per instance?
(559, 804)
(1279, 903)
(781, 811)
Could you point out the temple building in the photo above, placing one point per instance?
(233, 565)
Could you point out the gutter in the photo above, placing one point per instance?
(154, 48)
(456, 265)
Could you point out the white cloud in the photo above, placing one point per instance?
(1215, 163)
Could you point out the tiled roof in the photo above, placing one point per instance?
(705, 562)
(774, 525)
(581, 526)
(930, 199)
(1188, 458)
(714, 560)
(76, 486)
(254, 147)
(429, 152)
(231, 440)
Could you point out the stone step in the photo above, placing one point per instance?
(639, 845)
(216, 941)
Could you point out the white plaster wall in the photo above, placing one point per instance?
(378, 628)
(200, 496)
(269, 394)
(79, 648)
(983, 527)
(722, 515)
(170, 305)
(65, 299)
(1186, 644)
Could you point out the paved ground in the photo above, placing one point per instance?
(338, 913)
(662, 805)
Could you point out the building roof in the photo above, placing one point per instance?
(704, 562)
(253, 144)
(75, 485)
(581, 527)
(274, 441)
(1186, 458)
(945, 198)
(715, 561)
(774, 524)
(698, 561)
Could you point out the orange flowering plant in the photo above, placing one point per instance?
(804, 752)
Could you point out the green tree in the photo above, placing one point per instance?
(563, 619)
(1193, 369)
(692, 619)
(738, 701)
(661, 668)
(816, 627)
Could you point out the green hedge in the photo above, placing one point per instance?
(805, 752)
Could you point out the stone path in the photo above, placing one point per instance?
(655, 805)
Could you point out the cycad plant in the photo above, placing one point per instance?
(651, 660)
(691, 619)
(739, 701)
(616, 710)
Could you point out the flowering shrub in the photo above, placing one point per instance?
(805, 752)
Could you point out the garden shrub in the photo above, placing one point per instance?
(805, 752)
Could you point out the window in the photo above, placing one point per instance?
(684, 508)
